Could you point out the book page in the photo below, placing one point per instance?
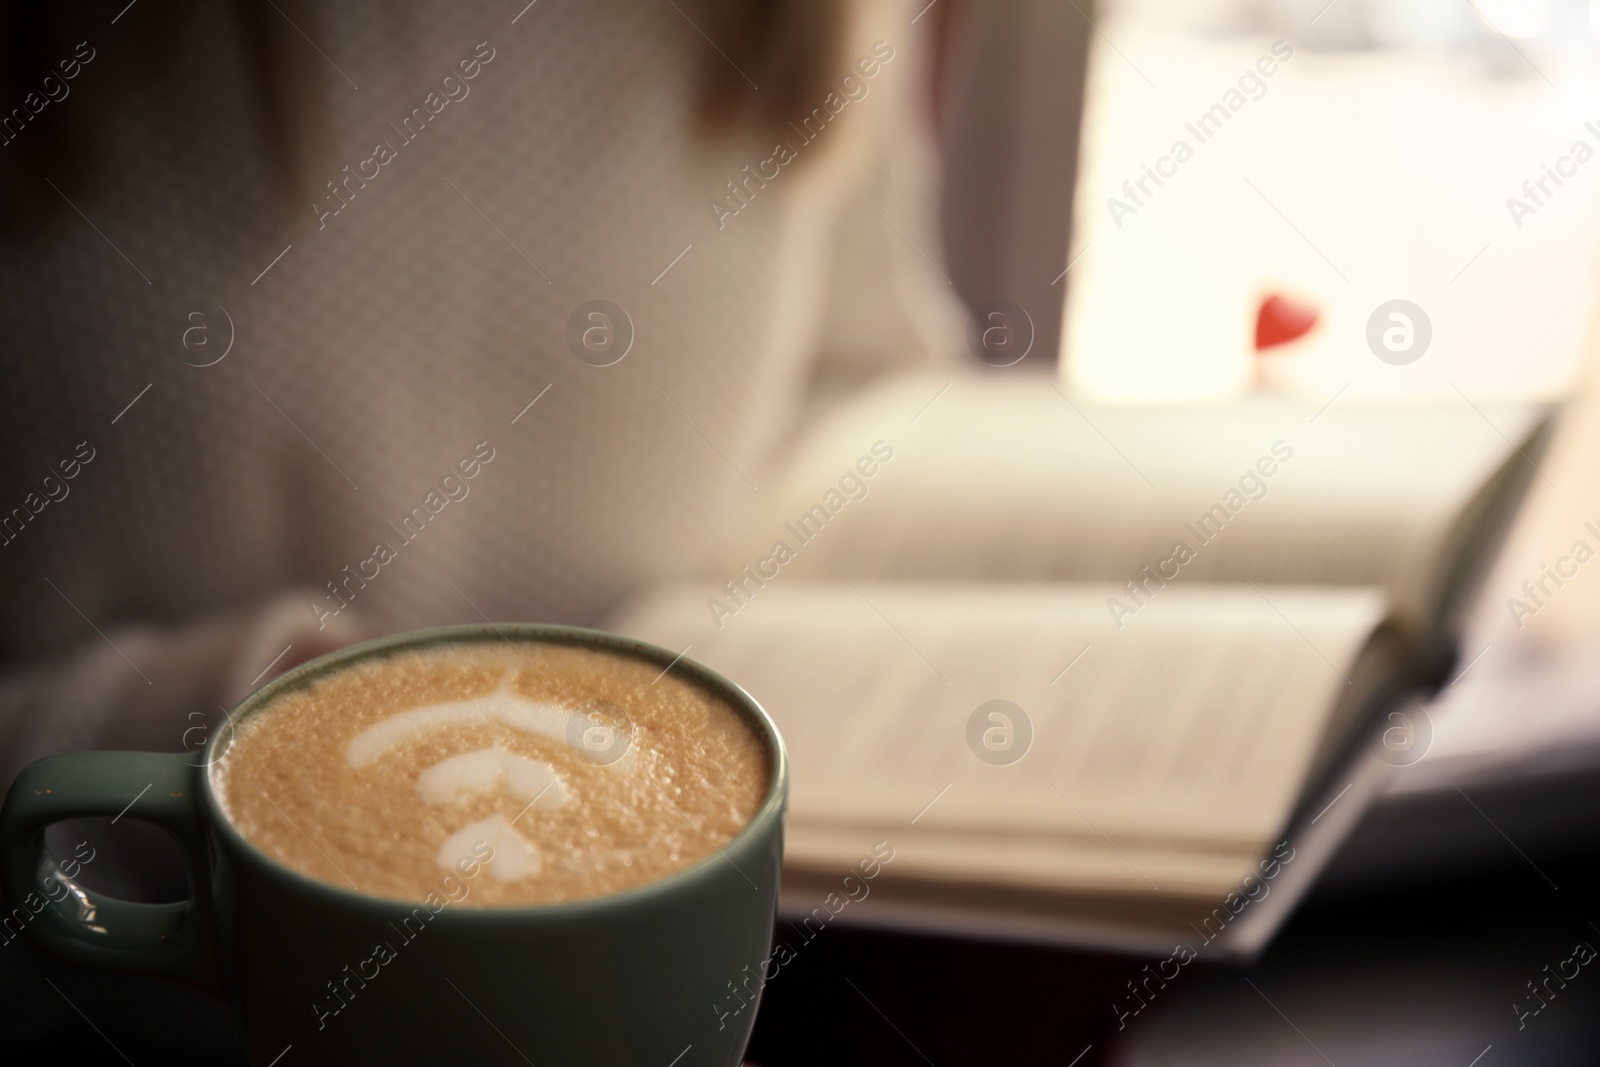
(1005, 479)
(1181, 732)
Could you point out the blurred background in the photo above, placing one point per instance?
(268, 270)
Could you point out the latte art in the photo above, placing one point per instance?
(458, 778)
(584, 772)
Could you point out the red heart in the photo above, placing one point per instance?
(1280, 321)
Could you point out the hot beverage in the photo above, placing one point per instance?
(542, 772)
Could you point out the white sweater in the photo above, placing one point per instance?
(391, 340)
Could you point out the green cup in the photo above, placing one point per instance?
(633, 977)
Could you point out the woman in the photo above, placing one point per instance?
(277, 278)
(301, 339)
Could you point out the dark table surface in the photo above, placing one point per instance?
(1425, 933)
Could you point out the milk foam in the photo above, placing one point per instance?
(585, 771)
(514, 856)
(501, 706)
(458, 778)
(461, 777)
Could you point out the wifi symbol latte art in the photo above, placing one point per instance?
(597, 733)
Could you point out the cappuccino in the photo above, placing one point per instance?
(543, 772)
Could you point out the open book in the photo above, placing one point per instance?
(1104, 674)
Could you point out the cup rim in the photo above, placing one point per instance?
(770, 811)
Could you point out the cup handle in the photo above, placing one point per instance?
(77, 924)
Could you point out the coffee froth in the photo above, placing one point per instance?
(577, 772)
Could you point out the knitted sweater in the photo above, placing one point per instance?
(375, 417)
